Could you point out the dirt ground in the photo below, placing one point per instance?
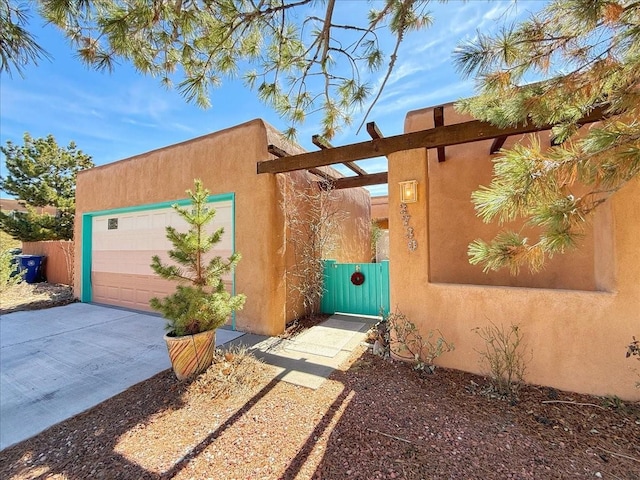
(34, 296)
(372, 419)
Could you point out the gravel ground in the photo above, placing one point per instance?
(372, 419)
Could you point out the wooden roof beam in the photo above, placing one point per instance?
(374, 131)
(497, 144)
(361, 181)
(325, 176)
(280, 153)
(277, 151)
(355, 168)
(323, 144)
(456, 134)
(438, 121)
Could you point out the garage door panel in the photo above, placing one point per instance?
(128, 294)
(122, 247)
(132, 291)
(134, 231)
(136, 262)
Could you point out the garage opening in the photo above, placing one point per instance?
(117, 246)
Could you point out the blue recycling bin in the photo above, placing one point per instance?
(33, 266)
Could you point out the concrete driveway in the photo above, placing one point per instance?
(58, 362)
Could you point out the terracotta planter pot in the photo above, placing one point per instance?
(191, 354)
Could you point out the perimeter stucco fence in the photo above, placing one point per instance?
(577, 315)
(59, 262)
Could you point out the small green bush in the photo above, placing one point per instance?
(191, 310)
(8, 276)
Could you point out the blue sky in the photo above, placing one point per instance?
(112, 116)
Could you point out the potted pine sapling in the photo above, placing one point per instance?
(200, 303)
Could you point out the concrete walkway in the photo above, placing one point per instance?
(59, 362)
(309, 358)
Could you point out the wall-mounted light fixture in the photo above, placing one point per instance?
(409, 191)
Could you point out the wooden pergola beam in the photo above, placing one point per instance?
(456, 134)
(323, 144)
(360, 181)
(438, 121)
(319, 173)
(355, 168)
(497, 144)
(277, 151)
(373, 131)
(320, 142)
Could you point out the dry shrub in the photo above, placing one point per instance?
(401, 336)
(313, 217)
(18, 293)
(505, 358)
(235, 371)
(633, 350)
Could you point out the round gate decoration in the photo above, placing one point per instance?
(357, 278)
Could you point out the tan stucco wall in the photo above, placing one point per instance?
(453, 222)
(226, 163)
(577, 338)
(380, 211)
(354, 234)
(11, 205)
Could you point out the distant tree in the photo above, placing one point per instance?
(41, 174)
(31, 226)
(582, 54)
(292, 52)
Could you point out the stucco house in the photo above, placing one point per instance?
(577, 315)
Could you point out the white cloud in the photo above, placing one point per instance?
(137, 123)
(429, 46)
(183, 128)
(378, 190)
(425, 98)
(497, 12)
(375, 165)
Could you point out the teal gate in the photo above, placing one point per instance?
(359, 288)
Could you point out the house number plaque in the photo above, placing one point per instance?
(412, 243)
